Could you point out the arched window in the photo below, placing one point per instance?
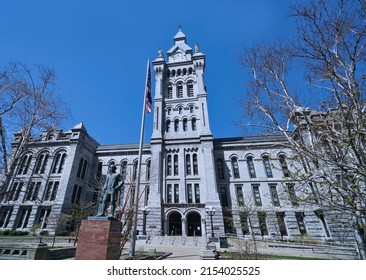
(169, 165)
(284, 167)
(59, 162)
(176, 166)
(124, 169)
(251, 168)
(41, 163)
(170, 92)
(235, 166)
(83, 163)
(194, 124)
(190, 92)
(25, 164)
(188, 164)
(176, 125)
(195, 164)
(267, 166)
(134, 174)
(179, 90)
(167, 125)
(185, 124)
(83, 172)
(148, 166)
(191, 109)
(99, 171)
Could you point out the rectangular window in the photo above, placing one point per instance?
(320, 214)
(257, 195)
(281, 223)
(189, 193)
(197, 193)
(76, 194)
(300, 222)
(220, 168)
(292, 195)
(188, 164)
(223, 195)
(169, 165)
(195, 164)
(42, 220)
(169, 194)
(32, 191)
(176, 193)
(5, 214)
(51, 191)
(239, 194)
(262, 223)
(15, 191)
(23, 217)
(176, 165)
(274, 195)
(244, 223)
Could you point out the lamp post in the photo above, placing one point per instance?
(211, 211)
(146, 212)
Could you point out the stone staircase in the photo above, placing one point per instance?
(188, 241)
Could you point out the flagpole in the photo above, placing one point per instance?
(133, 232)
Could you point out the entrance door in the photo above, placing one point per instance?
(175, 224)
(194, 227)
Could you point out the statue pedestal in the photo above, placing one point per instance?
(99, 239)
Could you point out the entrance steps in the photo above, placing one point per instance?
(189, 241)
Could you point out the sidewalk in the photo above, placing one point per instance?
(177, 252)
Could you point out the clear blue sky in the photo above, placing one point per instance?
(99, 50)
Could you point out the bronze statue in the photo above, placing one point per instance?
(110, 190)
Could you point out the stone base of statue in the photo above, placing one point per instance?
(99, 239)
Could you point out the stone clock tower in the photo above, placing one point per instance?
(182, 183)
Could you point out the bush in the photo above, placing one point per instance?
(44, 233)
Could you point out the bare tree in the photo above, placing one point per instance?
(322, 112)
(29, 106)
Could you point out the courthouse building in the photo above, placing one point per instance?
(185, 170)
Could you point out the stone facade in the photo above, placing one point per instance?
(184, 171)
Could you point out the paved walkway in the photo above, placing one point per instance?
(177, 252)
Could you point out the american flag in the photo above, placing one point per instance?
(148, 98)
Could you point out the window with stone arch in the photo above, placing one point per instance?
(176, 125)
(167, 126)
(185, 124)
(148, 170)
(83, 164)
(59, 162)
(267, 166)
(284, 167)
(251, 168)
(180, 90)
(25, 164)
(190, 91)
(235, 167)
(123, 171)
(194, 124)
(41, 163)
(170, 91)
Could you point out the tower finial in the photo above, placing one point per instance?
(180, 27)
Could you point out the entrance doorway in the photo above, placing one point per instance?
(175, 224)
(194, 227)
